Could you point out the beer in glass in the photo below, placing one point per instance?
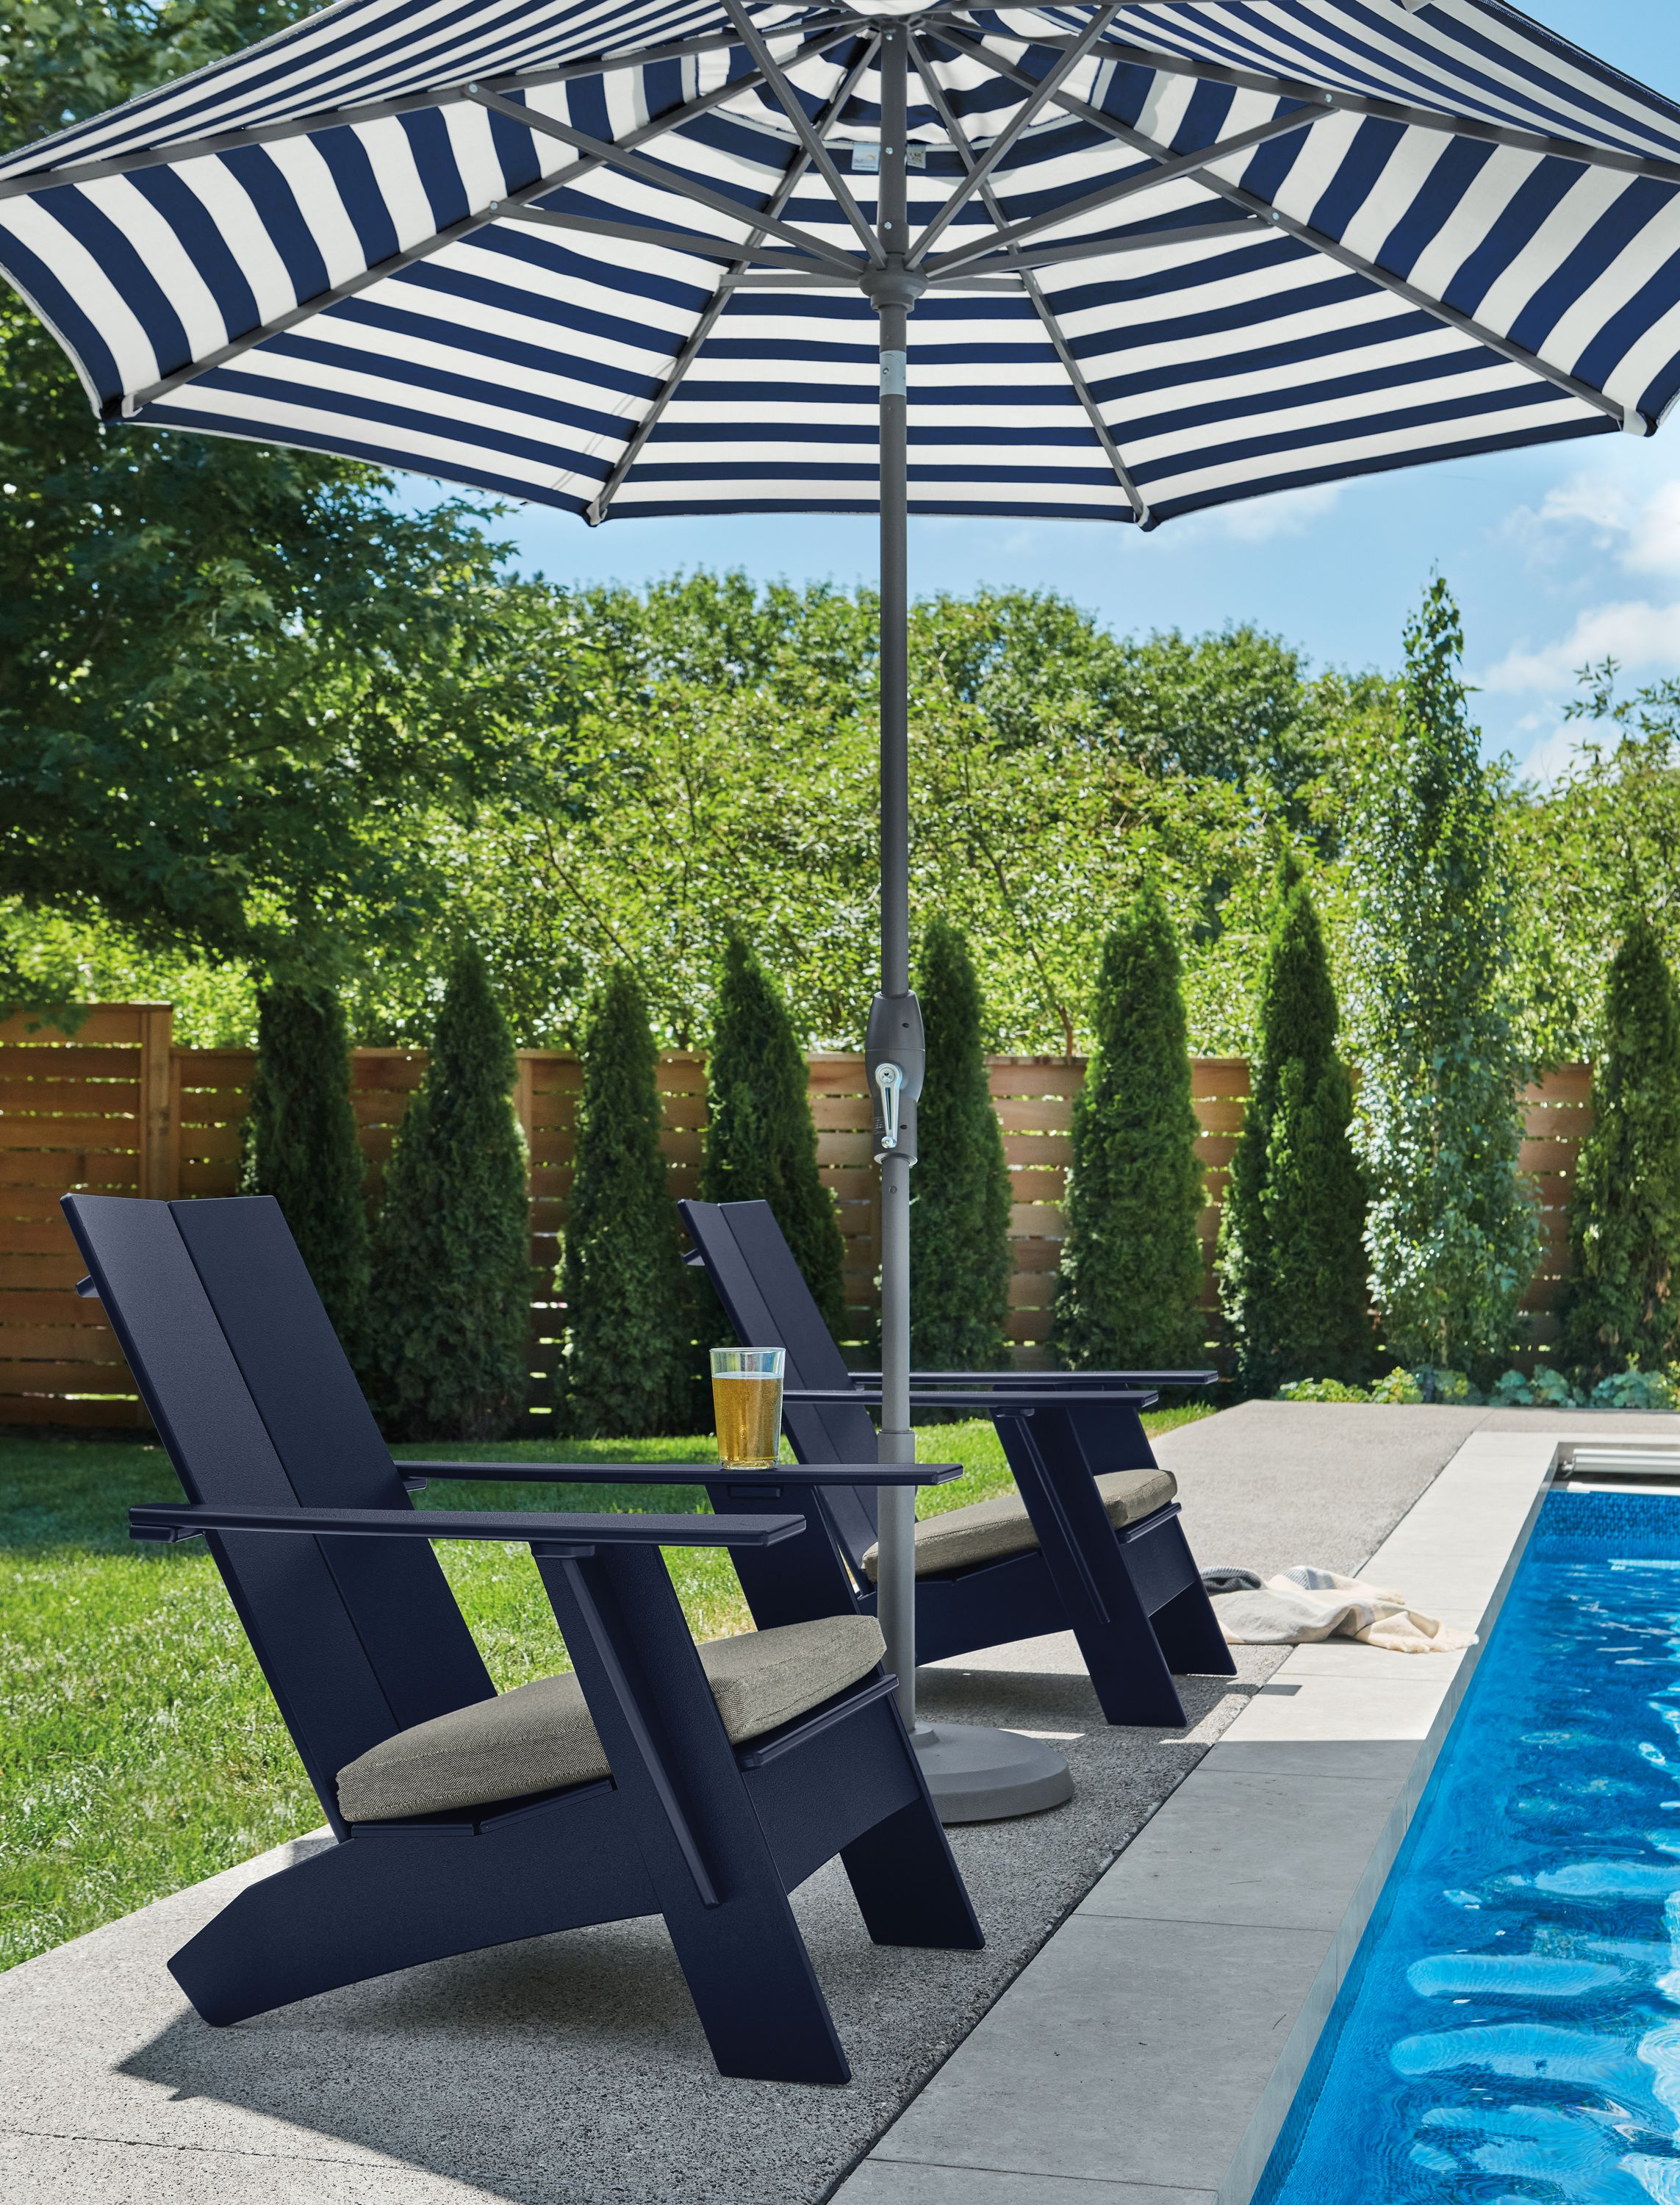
(746, 1402)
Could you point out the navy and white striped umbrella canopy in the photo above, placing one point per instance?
(607, 257)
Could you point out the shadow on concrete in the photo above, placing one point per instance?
(573, 2068)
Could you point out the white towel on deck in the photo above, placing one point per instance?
(1304, 1605)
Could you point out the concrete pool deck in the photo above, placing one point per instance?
(569, 2070)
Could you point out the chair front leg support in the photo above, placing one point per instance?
(1056, 1480)
(748, 1971)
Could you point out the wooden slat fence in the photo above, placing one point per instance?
(114, 1109)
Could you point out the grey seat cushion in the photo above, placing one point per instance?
(987, 1530)
(539, 1736)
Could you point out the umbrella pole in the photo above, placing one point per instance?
(895, 1018)
(974, 1774)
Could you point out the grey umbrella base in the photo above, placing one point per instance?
(979, 1776)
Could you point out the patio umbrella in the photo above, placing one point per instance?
(1114, 262)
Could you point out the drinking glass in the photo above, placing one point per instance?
(746, 1402)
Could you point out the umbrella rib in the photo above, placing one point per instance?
(817, 36)
(612, 155)
(982, 165)
(1332, 249)
(1388, 111)
(1125, 240)
(811, 140)
(1172, 168)
(1029, 284)
(597, 511)
(670, 241)
(396, 262)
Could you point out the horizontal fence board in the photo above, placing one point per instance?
(84, 1132)
(59, 1343)
(108, 1374)
(84, 1411)
(58, 1266)
(104, 1023)
(62, 1098)
(20, 1062)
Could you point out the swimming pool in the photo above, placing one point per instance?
(1508, 2033)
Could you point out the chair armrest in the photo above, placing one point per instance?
(998, 1397)
(1070, 1380)
(171, 1521)
(686, 1473)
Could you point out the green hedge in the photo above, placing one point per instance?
(628, 1366)
(301, 1146)
(1291, 1258)
(960, 1253)
(451, 1302)
(1621, 1305)
(1131, 1280)
(761, 1142)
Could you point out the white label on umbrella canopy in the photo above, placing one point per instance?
(892, 383)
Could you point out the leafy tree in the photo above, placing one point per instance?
(761, 1142)
(1603, 840)
(1291, 1260)
(960, 1259)
(1130, 1289)
(627, 1367)
(449, 1307)
(301, 1145)
(1619, 1307)
(234, 682)
(1452, 1233)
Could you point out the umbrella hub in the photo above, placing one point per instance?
(894, 285)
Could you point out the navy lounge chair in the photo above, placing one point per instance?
(464, 1818)
(1093, 1545)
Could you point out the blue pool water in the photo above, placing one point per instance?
(1509, 2031)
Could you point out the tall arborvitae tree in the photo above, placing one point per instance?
(959, 1254)
(1452, 1233)
(761, 1143)
(301, 1146)
(628, 1365)
(1291, 1260)
(1130, 1289)
(1622, 1303)
(450, 1303)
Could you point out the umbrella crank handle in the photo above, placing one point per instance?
(889, 1079)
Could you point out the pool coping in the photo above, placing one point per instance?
(1132, 2062)
(1283, 2086)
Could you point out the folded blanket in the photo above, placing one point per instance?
(1305, 1605)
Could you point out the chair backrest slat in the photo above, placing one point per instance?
(317, 1614)
(324, 1432)
(766, 1300)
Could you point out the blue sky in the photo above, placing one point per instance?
(1557, 557)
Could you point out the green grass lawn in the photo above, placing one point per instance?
(142, 1750)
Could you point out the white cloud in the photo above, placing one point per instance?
(1638, 522)
(1285, 513)
(1551, 758)
(1639, 636)
(1654, 542)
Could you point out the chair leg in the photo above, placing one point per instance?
(754, 1987)
(906, 1882)
(1102, 1603)
(689, 1816)
(1190, 1636)
(1128, 1668)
